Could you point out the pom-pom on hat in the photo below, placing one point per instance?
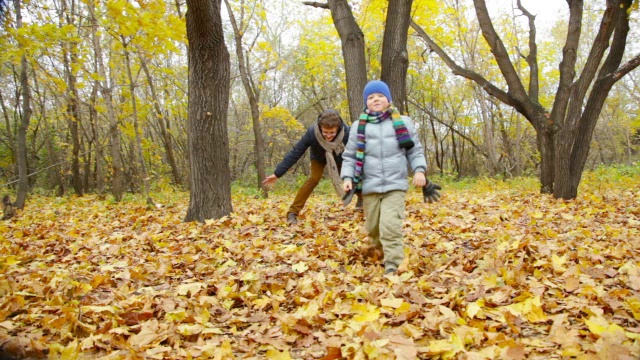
(376, 86)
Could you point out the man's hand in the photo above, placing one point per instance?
(270, 179)
(431, 193)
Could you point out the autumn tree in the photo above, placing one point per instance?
(395, 57)
(23, 169)
(105, 86)
(251, 86)
(67, 14)
(209, 79)
(565, 131)
(353, 51)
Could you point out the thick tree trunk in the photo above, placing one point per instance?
(23, 181)
(577, 130)
(355, 63)
(209, 82)
(395, 57)
(547, 149)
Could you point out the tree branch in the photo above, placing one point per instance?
(516, 89)
(600, 45)
(436, 118)
(532, 58)
(568, 63)
(626, 68)
(489, 87)
(316, 4)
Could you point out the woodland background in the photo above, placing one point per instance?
(496, 269)
(292, 54)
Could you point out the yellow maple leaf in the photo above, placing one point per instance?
(475, 308)
(192, 288)
(365, 312)
(405, 307)
(558, 263)
(391, 302)
(600, 326)
(274, 354)
(300, 267)
(446, 348)
(175, 316)
(374, 348)
(634, 306)
(186, 329)
(308, 311)
(530, 308)
(147, 335)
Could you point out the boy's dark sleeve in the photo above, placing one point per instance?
(296, 152)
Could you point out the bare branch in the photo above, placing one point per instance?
(316, 4)
(627, 68)
(598, 49)
(532, 58)
(466, 73)
(437, 119)
(516, 89)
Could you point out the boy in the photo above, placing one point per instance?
(326, 139)
(375, 162)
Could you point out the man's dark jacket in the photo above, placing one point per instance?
(317, 152)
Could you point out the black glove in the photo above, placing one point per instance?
(346, 199)
(430, 192)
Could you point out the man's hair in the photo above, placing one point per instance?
(329, 119)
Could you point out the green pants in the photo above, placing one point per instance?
(384, 214)
(317, 169)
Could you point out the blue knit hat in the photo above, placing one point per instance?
(376, 86)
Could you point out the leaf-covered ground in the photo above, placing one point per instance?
(496, 270)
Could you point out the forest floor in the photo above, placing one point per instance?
(496, 271)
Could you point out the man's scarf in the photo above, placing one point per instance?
(330, 147)
(402, 135)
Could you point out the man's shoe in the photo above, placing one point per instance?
(292, 218)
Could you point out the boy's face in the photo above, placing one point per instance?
(329, 133)
(377, 102)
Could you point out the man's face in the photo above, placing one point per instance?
(329, 133)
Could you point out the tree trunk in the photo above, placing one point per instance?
(576, 139)
(23, 181)
(487, 131)
(355, 63)
(253, 94)
(209, 84)
(137, 152)
(117, 186)
(99, 167)
(166, 137)
(395, 58)
(564, 134)
(69, 57)
(11, 141)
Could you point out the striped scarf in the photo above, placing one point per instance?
(402, 135)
